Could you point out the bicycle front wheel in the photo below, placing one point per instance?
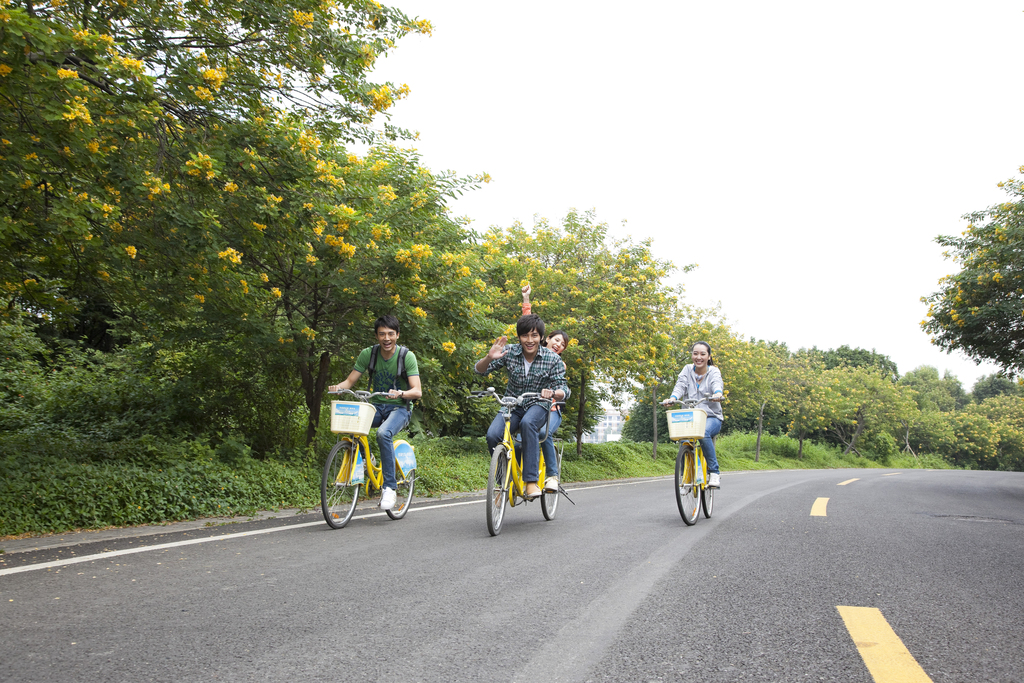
(404, 496)
(549, 501)
(687, 491)
(338, 495)
(497, 489)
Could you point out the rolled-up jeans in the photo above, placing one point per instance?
(707, 444)
(550, 458)
(389, 420)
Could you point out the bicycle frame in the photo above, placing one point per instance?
(372, 467)
(699, 462)
(514, 484)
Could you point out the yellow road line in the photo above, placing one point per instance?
(818, 509)
(891, 474)
(883, 652)
(848, 481)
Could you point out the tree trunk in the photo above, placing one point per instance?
(906, 438)
(579, 416)
(654, 408)
(314, 390)
(760, 428)
(800, 446)
(856, 433)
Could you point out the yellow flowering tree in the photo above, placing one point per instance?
(979, 310)
(609, 296)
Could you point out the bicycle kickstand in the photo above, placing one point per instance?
(562, 491)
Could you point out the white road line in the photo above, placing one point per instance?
(257, 532)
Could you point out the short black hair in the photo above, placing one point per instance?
(389, 321)
(529, 323)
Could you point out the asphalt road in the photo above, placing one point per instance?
(616, 588)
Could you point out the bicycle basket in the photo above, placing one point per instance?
(686, 424)
(350, 417)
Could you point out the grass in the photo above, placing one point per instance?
(51, 486)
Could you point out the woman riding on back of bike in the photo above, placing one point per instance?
(698, 380)
(556, 341)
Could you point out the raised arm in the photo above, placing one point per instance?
(527, 308)
(496, 351)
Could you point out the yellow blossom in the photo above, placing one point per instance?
(231, 254)
(4, 69)
(200, 298)
(449, 347)
(215, 77)
(263, 276)
(419, 312)
(131, 251)
(310, 259)
(67, 73)
(276, 292)
(229, 186)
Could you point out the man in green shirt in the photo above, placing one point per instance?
(393, 412)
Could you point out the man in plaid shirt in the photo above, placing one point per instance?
(531, 367)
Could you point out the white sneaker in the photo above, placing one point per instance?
(387, 499)
(714, 481)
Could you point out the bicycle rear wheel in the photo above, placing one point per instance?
(707, 500)
(338, 495)
(497, 489)
(687, 492)
(549, 501)
(404, 496)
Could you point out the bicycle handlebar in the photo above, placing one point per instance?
(693, 402)
(509, 401)
(361, 395)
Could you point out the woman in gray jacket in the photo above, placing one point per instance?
(702, 379)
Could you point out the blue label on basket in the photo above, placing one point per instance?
(346, 410)
(681, 417)
(405, 456)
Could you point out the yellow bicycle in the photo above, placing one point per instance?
(692, 491)
(351, 464)
(505, 483)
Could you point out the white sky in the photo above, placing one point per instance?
(805, 154)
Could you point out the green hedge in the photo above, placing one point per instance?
(56, 484)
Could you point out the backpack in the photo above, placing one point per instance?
(402, 351)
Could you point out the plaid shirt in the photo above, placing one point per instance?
(546, 372)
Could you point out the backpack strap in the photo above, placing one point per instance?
(373, 362)
(400, 370)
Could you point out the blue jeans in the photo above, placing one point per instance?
(707, 444)
(550, 457)
(529, 422)
(389, 420)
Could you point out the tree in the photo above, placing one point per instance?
(809, 399)
(182, 171)
(610, 298)
(754, 381)
(934, 393)
(988, 386)
(859, 358)
(107, 103)
(977, 310)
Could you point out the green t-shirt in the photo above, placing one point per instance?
(385, 371)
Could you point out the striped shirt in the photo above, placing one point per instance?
(546, 372)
